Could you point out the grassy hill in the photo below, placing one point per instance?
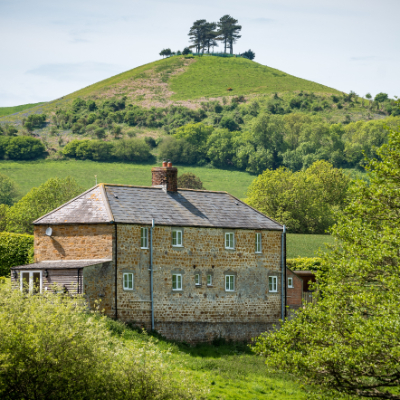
(12, 110)
(188, 81)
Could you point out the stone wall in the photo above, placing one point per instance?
(199, 313)
(74, 242)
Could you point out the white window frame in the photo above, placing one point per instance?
(178, 287)
(229, 240)
(175, 240)
(144, 237)
(258, 243)
(30, 280)
(209, 280)
(197, 279)
(123, 280)
(273, 284)
(230, 283)
(290, 282)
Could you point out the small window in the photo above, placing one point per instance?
(144, 238)
(128, 281)
(177, 238)
(258, 242)
(273, 283)
(229, 283)
(229, 240)
(209, 280)
(31, 281)
(197, 279)
(176, 282)
(290, 282)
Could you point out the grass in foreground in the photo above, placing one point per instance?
(32, 174)
(229, 370)
(300, 245)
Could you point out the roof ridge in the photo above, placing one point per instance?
(63, 205)
(155, 187)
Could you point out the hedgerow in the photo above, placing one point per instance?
(15, 249)
(304, 263)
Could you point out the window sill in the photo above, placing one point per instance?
(177, 290)
(210, 285)
(229, 248)
(198, 285)
(230, 291)
(177, 245)
(144, 248)
(258, 252)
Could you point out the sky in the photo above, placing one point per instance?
(50, 48)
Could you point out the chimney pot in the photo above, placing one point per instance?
(164, 163)
(169, 164)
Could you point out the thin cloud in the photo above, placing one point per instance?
(263, 20)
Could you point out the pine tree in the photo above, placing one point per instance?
(228, 31)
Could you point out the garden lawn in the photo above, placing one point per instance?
(32, 174)
(300, 245)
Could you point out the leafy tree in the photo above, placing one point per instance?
(381, 97)
(210, 35)
(34, 121)
(368, 96)
(304, 201)
(189, 180)
(249, 54)
(186, 51)
(8, 190)
(180, 151)
(197, 34)
(165, 52)
(221, 148)
(228, 31)
(39, 201)
(133, 150)
(8, 130)
(3, 214)
(349, 341)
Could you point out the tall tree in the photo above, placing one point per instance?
(210, 35)
(197, 34)
(228, 31)
(349, 342)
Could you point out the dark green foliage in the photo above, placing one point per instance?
(8, 130)
(186, 51)
(15, 249)
(381, 97)
(150, 142)
(179, 151)
(165, 52)
(8, 190)
(249, 54)
(34, 121)
(228, 123)
(190, 181)
(131, 150)
(23, 148)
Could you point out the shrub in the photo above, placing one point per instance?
(24, 148)
(189, 181)
(381, 97)
(15, 249)
(179, 151)
(134, 150)
(150, 142)
(52, 349)
(303, 263)
(228, 123)
(35, 121)
(4, 141)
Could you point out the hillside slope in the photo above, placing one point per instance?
(188, 82)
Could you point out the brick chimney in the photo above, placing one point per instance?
(165, 176)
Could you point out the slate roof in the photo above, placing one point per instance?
(139, 205)
(61, 264)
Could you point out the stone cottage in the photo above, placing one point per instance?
(192, 264)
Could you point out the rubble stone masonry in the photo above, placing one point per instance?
(200, 313)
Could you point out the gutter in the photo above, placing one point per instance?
(151, 275)
(283, 264)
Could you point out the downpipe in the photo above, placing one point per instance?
(283, 278)
(151, 275)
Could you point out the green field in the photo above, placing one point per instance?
(228, 371)
(299, 245)
(11, 110)
(212, 76)
(32, 174)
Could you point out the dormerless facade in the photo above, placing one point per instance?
(192, 264)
